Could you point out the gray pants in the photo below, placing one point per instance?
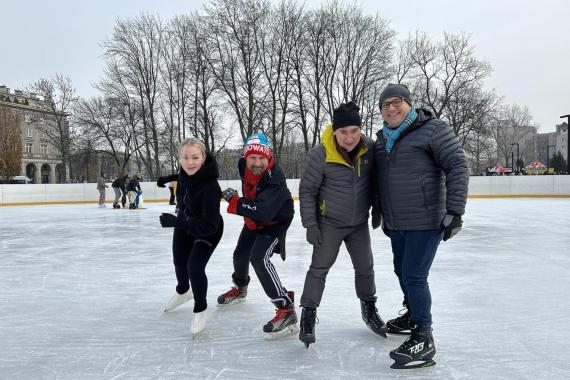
(357, 241)
(117, 194)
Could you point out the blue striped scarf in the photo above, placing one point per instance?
(391, 135)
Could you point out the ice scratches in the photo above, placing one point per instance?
(119, 361)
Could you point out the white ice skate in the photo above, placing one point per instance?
(178, 299)
(198, 323)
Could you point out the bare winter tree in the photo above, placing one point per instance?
(58, 99)
(135, 48)
(234, 28)
(277, 51)
(510, 127)
(104, 128)
(10, 143)
(443, 71)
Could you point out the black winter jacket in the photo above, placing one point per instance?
(200, 195)
(424, 177)
(273, 201)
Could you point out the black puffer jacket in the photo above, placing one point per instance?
(200, 195)
(424, 177)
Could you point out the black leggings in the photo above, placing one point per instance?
(190, 255)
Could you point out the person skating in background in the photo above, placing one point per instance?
(267, 208)
(198, 227)
(134, 191)
(422, 179)
(101, 186)
(120, 190)
(335, 196)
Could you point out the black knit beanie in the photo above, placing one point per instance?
(395, 90)
(346, 114)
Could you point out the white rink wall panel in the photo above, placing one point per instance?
(515, 186)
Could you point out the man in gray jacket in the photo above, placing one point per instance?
(422, 181)
(335, 194)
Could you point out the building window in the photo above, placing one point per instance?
(44, 150)
(28, 148)
(29, 132)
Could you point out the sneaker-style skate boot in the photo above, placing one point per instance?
(285, 320)
(233, 296)
(236, 294)
(198, 323)
(400, 325)
(307, 326)
(178, 299)
(416, 352)
(371, 317)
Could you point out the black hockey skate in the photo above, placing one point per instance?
(116, 205)
(400, 325)
(371, 317)
(233, 296)
(416, 352)
(308, 320)
(236, 294)
(285, 321)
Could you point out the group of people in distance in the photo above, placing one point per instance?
(124, 187)
(412, 179)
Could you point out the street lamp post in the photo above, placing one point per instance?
(548, 156)
(512, 161)
(517, 144)
(568, 142)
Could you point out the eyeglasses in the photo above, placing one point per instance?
(396, 103)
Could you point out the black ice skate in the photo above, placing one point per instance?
(308, 320)
(233, 296)
(116, 205)
(371, 317)
(400, 325)
(285, 321)
(416, 352)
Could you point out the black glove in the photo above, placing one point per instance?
(167, 220)
(161, 181)
(228, 194)
(451, 225)
(314, 236)
(376, 218)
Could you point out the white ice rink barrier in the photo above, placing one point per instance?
(479, 187)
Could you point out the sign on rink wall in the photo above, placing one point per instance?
(479, 187)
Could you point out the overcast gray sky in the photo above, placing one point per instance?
(527, 43)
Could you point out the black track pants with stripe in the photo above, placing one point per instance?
(258, 249)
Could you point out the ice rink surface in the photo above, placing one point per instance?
(82, 291)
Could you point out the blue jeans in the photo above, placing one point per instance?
(414, 252)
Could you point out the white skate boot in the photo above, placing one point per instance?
(198, 323)
(178, 299)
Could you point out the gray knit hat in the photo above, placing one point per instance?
(395, 90)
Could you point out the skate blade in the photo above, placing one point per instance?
(414, 364)
(234, 302)
(287, 331)
(382, 332)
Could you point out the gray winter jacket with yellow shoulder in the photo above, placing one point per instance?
(331, 190)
